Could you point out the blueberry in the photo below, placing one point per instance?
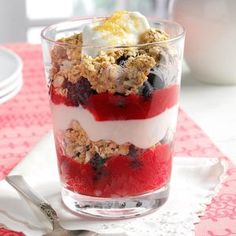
(79, 92)
(136, 164)
(121, 60)
(132, 151)
(121, 102)
(139, 204)
(155, 79)
(97, 162)
(146, 89)
(99, 174)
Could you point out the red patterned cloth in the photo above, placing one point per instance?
(26, 118)
(6, 232)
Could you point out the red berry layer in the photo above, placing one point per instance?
(106, 106)
(58, 98)
(120, 176)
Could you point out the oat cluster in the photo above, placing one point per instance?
(81, 148)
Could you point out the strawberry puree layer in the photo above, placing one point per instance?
(120, 175)
(106, 106)
(58, 98)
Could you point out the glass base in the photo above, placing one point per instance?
(115, 208)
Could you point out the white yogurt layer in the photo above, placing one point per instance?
(121, 28)
(142, 133)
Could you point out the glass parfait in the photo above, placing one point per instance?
(114, 117)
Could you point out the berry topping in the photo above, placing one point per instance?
(79, 92)
(132, 151)
(146, 89)
(155, 79)
(58, 98)
(119, 176)
(123, 205)
(97, 162)
(139, 204)
(106, 106)
(121, 101)
(121, 60)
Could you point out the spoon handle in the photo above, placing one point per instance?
(18, 182)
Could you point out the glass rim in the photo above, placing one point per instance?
(153, 19)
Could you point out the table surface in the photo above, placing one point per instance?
(211, 107)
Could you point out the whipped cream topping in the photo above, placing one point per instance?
(121, 28)
(132, 131)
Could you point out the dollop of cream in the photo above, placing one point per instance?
(120, 29)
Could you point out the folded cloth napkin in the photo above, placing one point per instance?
(193, 184)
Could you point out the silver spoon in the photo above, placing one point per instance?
(18, 182)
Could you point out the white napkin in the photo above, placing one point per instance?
(194, 182)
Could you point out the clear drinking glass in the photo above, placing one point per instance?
(114, 132)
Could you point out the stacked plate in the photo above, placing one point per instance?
(10, 74)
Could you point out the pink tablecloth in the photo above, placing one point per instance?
(25, 119)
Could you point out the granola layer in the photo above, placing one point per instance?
(78, 145)
(116, 70)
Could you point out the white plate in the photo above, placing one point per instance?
(10, 67)
(11, 93)
(10, 87)
(194, 182)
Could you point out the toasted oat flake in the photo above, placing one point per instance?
(153, 35)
